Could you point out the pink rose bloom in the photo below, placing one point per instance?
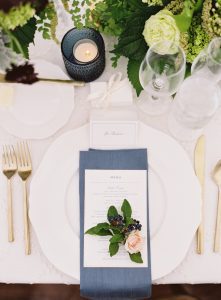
(134, 242)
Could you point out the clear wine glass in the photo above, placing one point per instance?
(194, 105)
(161, 73)
(208, 62)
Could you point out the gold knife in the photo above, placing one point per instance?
(199, 163)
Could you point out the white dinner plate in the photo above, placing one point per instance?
(37, 111)
(174, 196)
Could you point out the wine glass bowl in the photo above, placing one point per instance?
(208, 62)
(195, 104)
(214, 61)
(161, 73)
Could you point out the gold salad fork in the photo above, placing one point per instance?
(24, 171)
(9, 168)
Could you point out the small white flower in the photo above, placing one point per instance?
(153, 2)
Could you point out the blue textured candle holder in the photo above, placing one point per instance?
(83, 71)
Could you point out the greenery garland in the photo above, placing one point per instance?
(194, 23)
(197, 21)
(19, 20)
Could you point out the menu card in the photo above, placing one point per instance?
(104, 188)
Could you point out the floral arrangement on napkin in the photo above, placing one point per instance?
(124, 230)
(138, 24)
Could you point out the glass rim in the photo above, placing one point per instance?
(181, 50)
(209, 49)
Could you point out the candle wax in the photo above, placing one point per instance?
(85, 51)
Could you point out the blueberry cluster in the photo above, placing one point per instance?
(134, 226)
(116, 221)
(137, 225)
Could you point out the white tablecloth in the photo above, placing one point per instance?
(15, 267)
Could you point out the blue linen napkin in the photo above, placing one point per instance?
(113, 283)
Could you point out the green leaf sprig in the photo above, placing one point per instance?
(47, 22)
(119, 227)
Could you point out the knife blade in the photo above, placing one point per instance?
(199, 165)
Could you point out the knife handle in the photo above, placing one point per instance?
(200, 230)
(218, 225)
(200, 239)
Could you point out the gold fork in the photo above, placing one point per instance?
(9, 168)
(24, 171)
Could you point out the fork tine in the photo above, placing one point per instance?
(14, 154)
(18, 155)
(3, 155)
(28, 155)
(10, 154)
(14, 160)
(6, 155)
(24, 153)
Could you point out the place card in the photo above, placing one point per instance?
(104, 188)
(113, 134)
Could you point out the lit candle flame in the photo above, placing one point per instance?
(88, 53)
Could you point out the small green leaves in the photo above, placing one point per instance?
(102, 226)
(136, 257)
(113, 248)
(115, 229)
(92, 231)
(117, 238)
(128, 221)
(131, 42)
(101, 229)
(114, 243)
(112, 212)
(47, 22)
(126, 209)
(104, 232)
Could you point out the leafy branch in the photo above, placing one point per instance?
(119, 228)
(47, 22)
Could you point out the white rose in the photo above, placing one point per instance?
(162, 27)
(134, 242)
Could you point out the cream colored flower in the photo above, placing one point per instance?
(134, 242)
(153, 2)
(162, 27)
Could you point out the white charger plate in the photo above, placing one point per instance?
(174, 196)
(37, 111)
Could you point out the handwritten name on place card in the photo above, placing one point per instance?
(113, 134)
